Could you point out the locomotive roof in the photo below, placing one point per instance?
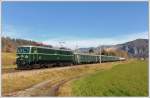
(44, 47)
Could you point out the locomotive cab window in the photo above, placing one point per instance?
(23, 49)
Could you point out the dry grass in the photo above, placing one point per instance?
(8, 59)
(65, 89)
(13, 82)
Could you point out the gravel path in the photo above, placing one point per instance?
(51, 91)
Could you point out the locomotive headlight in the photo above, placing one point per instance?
(26, 56)
(21, 55)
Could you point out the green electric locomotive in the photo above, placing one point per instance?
(29, 57)
(37, 57)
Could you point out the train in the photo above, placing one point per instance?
(30, 57)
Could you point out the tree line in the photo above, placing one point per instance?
(117, 52)
(10, 44)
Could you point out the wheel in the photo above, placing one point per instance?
(28, 67)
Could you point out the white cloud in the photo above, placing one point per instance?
(74, 43)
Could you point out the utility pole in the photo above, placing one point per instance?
(76, 48)
(61, 44)
(100, 55)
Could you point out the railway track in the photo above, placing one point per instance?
(14, 70)
(9, 70)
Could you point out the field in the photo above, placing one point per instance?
(26, 83)
(8, 60)
(126, 78)
(123, 80)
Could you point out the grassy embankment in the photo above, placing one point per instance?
(123, 80)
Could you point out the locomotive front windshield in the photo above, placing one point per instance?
(23, 49)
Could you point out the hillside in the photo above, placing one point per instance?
(136, 48)
(10, 44)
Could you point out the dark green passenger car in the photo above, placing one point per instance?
(105, 58)
(85, 58)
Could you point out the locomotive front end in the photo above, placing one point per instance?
(23, 57)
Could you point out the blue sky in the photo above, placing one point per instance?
(85, 24)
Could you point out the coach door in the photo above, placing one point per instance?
(78, 58)
(35, 54)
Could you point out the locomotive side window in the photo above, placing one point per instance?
(34, 50)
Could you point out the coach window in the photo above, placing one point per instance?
(69, 53)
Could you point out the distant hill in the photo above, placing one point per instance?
(135, 48)
(10, 44)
